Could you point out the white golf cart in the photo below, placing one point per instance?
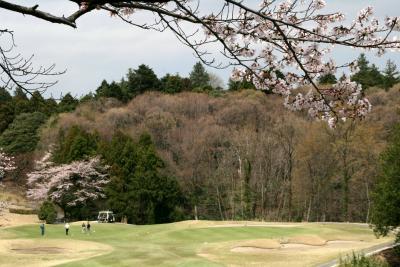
(106, 217)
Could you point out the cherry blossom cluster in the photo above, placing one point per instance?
(292, 36)
(84, 180)
(295, 37)
(6, 163)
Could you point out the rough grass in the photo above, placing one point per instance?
(200, 243)
(360, 260)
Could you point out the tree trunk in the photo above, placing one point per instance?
(195, 213)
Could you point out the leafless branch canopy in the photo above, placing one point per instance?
(16, 70)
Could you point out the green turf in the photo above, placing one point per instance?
(174, 244)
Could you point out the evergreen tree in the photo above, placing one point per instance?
(38, 103)
(141, 80)
(6, 109)
(87, 98)
(199, 78)
(75, 144)
(51, 106)
(68, 103)
(386, 198)
(240, 85)
(328, 78)
(137, 190)
(390, 75)
(111, 90)
(47, 212)
(4, 95)
(22, 134)
(173, 83)
(367, 75)
(21, 102)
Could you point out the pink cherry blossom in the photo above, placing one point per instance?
(85, 180)
(6, 163)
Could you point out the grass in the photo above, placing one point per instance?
(193, 244)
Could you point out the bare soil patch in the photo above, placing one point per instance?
(244, 249)
(47, 252)
(40, 250)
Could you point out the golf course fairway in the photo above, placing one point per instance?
(188, 243)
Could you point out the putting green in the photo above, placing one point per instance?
(189, 243)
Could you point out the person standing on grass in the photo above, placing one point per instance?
(42, 229)
(83, 228)
(66, 226)
(88, 227)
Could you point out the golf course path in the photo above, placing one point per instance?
(368, 252)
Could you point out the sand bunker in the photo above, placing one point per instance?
(308, 240)
(297, 243)
(30, 253)
(251, 249)
(39, 250)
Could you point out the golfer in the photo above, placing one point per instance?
(83, 228)
(42, 229)
(88, 227)
(66, 226)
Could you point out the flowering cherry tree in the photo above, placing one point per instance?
(80, 181)
(293, 36)
(6, 163)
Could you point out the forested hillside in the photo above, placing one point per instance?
(238, 156)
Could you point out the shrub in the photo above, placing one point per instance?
(360, 260)
(47, 212)
(22, 211)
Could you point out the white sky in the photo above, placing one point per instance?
(104, 48)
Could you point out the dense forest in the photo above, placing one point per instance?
(181, 148)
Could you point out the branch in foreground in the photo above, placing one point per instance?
(294, 36)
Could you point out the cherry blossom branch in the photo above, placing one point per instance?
(291, 36)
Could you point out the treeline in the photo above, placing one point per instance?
(181, 148)
(143, 79)
(238, 157)
(140, 191)
(368, 75)
(21, 116)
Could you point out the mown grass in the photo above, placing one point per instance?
(180, 244)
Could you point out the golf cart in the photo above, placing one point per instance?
(106, 217)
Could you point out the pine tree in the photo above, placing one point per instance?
(68, 103)
(390, 75)
(173, 83)
(113, 90)
(142, 79)
(199, 78)
(367, 75)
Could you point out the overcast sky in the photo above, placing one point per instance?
(104, 48)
